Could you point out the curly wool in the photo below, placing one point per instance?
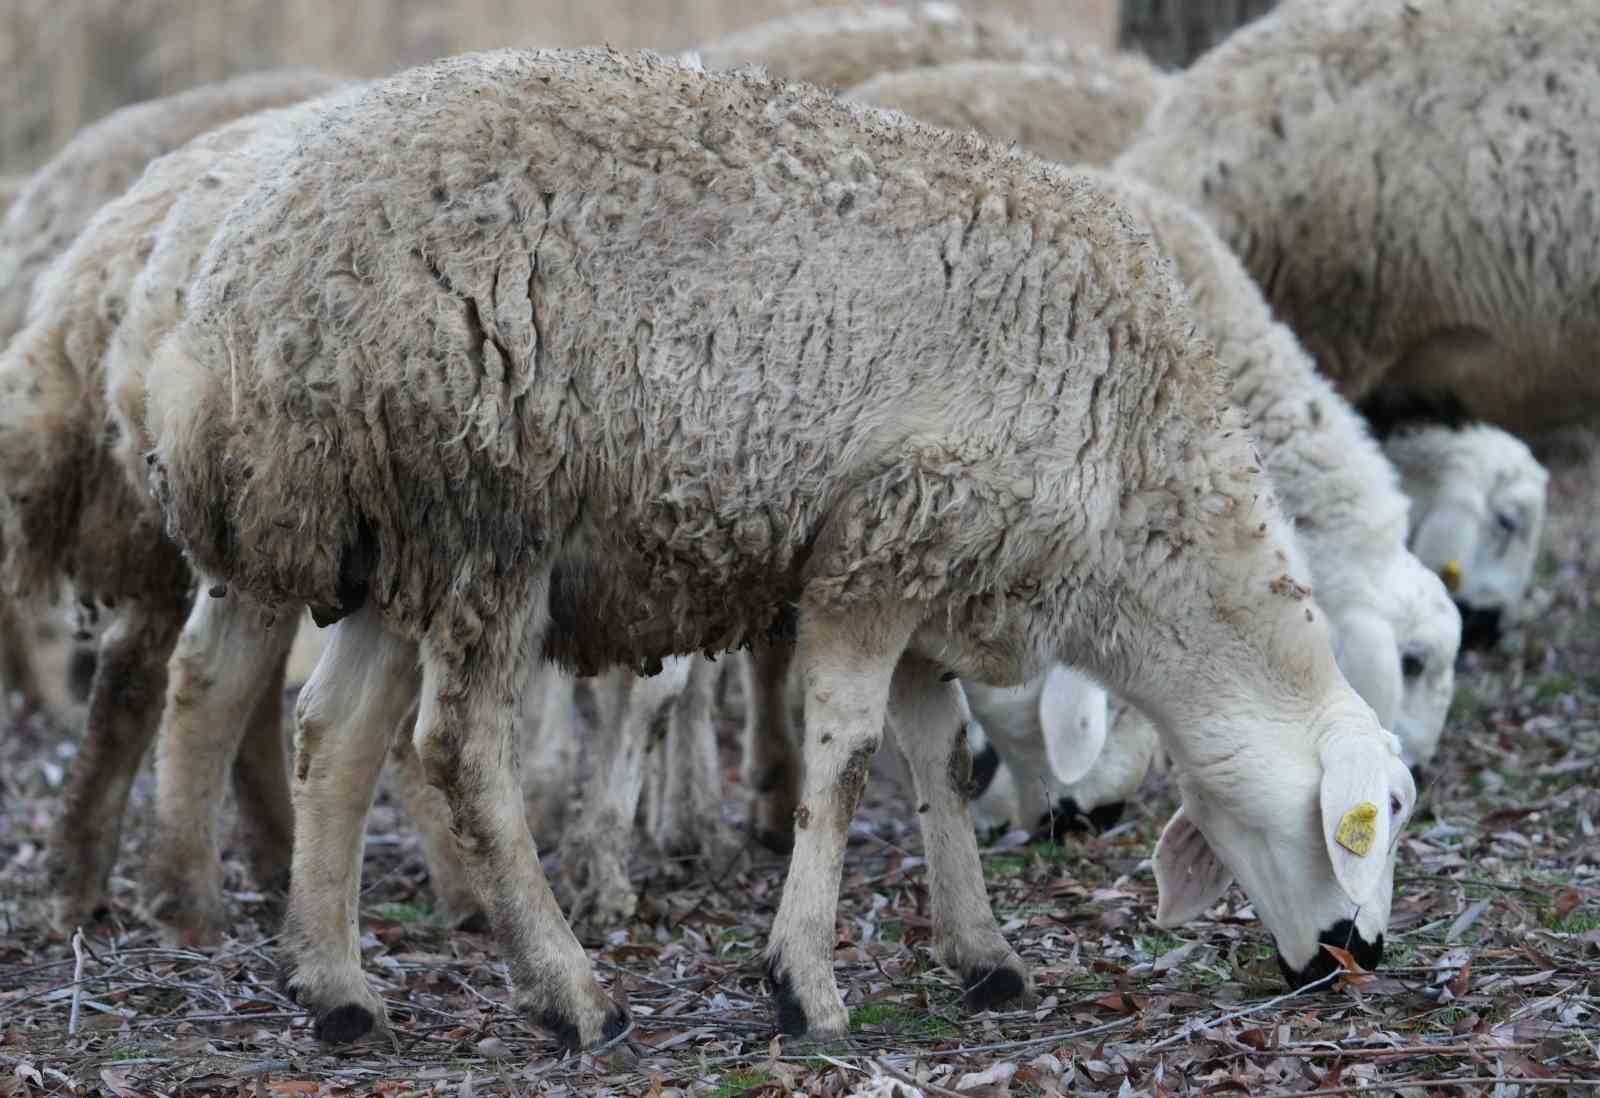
(841, 46)
(67, 511)
(1081, 114)
(1412, 182)
(101, 161)
(705, 339)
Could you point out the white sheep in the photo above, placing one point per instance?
(716, 346)
(1411, 183)
(66, 511)
(43, 212)
(1083, 113)
(1477, 516)
(840, 46)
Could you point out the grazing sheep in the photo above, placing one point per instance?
(1412, 184)
(839, 47)
(68, 513)
(1083, 114)
(43, 212)
(1477, 515)
(731, 354)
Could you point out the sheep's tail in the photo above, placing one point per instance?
(45, 443)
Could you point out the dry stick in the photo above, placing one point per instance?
(77, 981)
(1194, 1027)
(933, 1088)
(1474, 1080)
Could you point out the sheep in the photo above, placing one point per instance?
(68, 513)
(1477, 515)
(1411, 183)
(842, 46)
(45, 211)
(735, 354)
(1083, 114)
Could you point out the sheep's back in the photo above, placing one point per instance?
(721, 335)
(1405, 175)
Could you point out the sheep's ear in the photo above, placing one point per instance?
(1365, 800)
(1369, 657)
(1189, 875)
(1072, 716)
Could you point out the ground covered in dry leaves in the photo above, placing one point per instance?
(1490, 986)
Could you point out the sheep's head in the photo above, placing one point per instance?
(1309, 834)
(1477, 513)
(1427, 628)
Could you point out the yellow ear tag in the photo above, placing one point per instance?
(1451, 574)
(1358, 830)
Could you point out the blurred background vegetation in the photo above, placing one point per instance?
(65, 63)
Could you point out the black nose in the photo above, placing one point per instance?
(1369, 955)
(1070, 819)
(1480, 628)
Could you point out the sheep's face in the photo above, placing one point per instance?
(1481, 533)
(1427, 629)
(1309, 833)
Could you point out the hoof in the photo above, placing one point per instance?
(779, 842)
(475, 923)
(991, 989)
(791, 1016)
(187, 923)
(570, 1035)
(343, 1024)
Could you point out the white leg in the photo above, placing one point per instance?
(929, 719)
(685, 811)
(224, 697)
(550, 735)
(428, 812)
(363, 686)
(634, 712)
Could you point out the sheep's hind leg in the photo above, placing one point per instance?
(928, 718)
(685, 807)
(124, 710)
(364, 684)
(17, 677)
(465, 739)
(225, 690)
(847, 662)
(594, 851)
(773, 769)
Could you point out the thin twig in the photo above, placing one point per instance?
(1190, 1028)
(77, 982)
(935, 1088)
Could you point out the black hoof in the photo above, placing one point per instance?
(779, 842)
(344, 1024)
(986, 990)
(476, 923)
(790, 1015)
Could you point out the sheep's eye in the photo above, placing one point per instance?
(1412, 666)
(1394, 805)
(1508, 523)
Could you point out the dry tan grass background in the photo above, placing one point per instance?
(64, 63)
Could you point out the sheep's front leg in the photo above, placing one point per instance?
(685, 808)
(772, 766)
(225, 689)
(466, 741)
(929, 720)
(364, 684)
(594, 851)
(847, 664)
(124, 710)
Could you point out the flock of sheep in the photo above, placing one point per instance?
(1052, 447)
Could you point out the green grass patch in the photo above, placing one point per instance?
(1465, 706)
(737, 1082)
(1579, 922)
(1552, 686)
(898, 1019)
(415, 911)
